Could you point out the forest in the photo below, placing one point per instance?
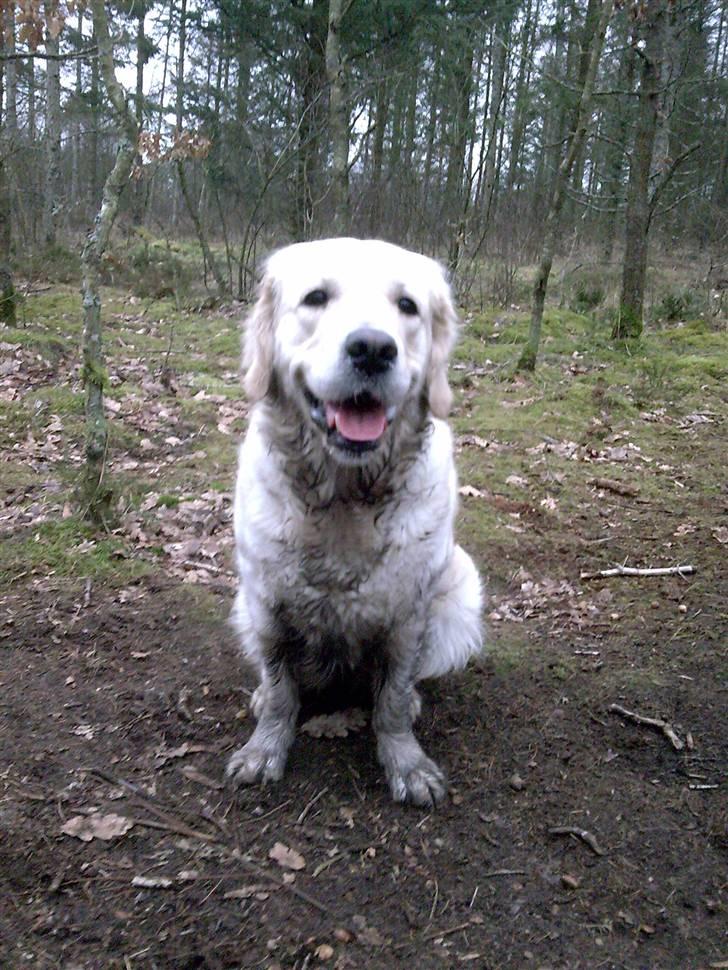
(566, 161)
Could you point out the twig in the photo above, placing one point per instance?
(502, 872)
(667, 729)
(639, 571)
(172, 824)
(261, 873)
(435, 934)
(307, 808)
(582, 834)
(612, 485)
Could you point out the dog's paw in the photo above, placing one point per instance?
(423, 784)
(255, 762)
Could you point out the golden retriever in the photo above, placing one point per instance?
(345, 500)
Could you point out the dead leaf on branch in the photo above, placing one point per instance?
(336, 725)
(105, 827)
(286, 857)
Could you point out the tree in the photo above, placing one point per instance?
(527, 360)
(95, 493)
(52, 192)
(628, 322)
(338, 121)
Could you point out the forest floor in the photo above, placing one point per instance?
(573, 836)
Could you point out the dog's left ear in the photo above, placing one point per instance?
(444, 332)
(259, 342)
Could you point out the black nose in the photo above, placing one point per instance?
(370, 351)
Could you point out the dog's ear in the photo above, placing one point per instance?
(444, 332)
(259, 341)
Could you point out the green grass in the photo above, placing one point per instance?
(66, 548)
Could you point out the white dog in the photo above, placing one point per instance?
(345, 500)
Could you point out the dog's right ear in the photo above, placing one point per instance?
(259, 342)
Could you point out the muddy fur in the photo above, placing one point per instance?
(345, 552)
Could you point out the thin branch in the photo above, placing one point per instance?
(586, 837)
(43, 56)
(638, 571)
(667, 729)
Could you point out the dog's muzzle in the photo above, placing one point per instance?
(357, 423)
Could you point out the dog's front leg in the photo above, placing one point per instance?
(264, 756)
(412, 776)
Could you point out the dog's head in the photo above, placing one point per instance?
(351, 331)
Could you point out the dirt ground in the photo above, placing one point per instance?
(572, 837)
(136, 720)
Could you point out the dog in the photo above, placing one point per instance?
(345, 499)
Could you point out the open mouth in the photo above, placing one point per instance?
(356, 423)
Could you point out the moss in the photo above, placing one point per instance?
(68, 548)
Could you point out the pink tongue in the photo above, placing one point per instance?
(357, 425)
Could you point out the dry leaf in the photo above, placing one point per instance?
(721, 534)
(336, 725)
(245, 892)
(469, 491)
(88, 827)
(194, 775)
(516, 481)
(286, 857)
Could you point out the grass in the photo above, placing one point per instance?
(67, 548)
(585, 390)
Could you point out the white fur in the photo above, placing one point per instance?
(356, 551)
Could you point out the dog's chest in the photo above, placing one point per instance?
(355, 567)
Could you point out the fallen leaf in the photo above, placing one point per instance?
(189, 772)
(516, 481)
(286, 857)
(88, 827)
(721, 534)
(245, 892)
(469, 491)
(336, 725)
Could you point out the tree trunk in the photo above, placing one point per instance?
(338, 122)
(528, 43)
(527, 360)
(501, 36)
(52, 194)
(94, 125)
(629, 322)
(137, 214)
(457, 182)
(7, 290)
(95, 494)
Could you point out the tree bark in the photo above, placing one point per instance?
(527, 360)
(338, 122)
(52, 194)
(95, 495)
(629, 321)
(7, 290)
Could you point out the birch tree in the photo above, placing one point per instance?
(95, 493)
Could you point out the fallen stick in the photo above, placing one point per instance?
(611, 485)
(639, 571)
(667, 729)
(582, 834)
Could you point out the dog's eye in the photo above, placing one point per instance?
(407, 306)
(316, 298)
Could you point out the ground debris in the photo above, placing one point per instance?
(667, 729)
(586, 837)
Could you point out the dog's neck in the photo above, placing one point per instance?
(314, 475)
